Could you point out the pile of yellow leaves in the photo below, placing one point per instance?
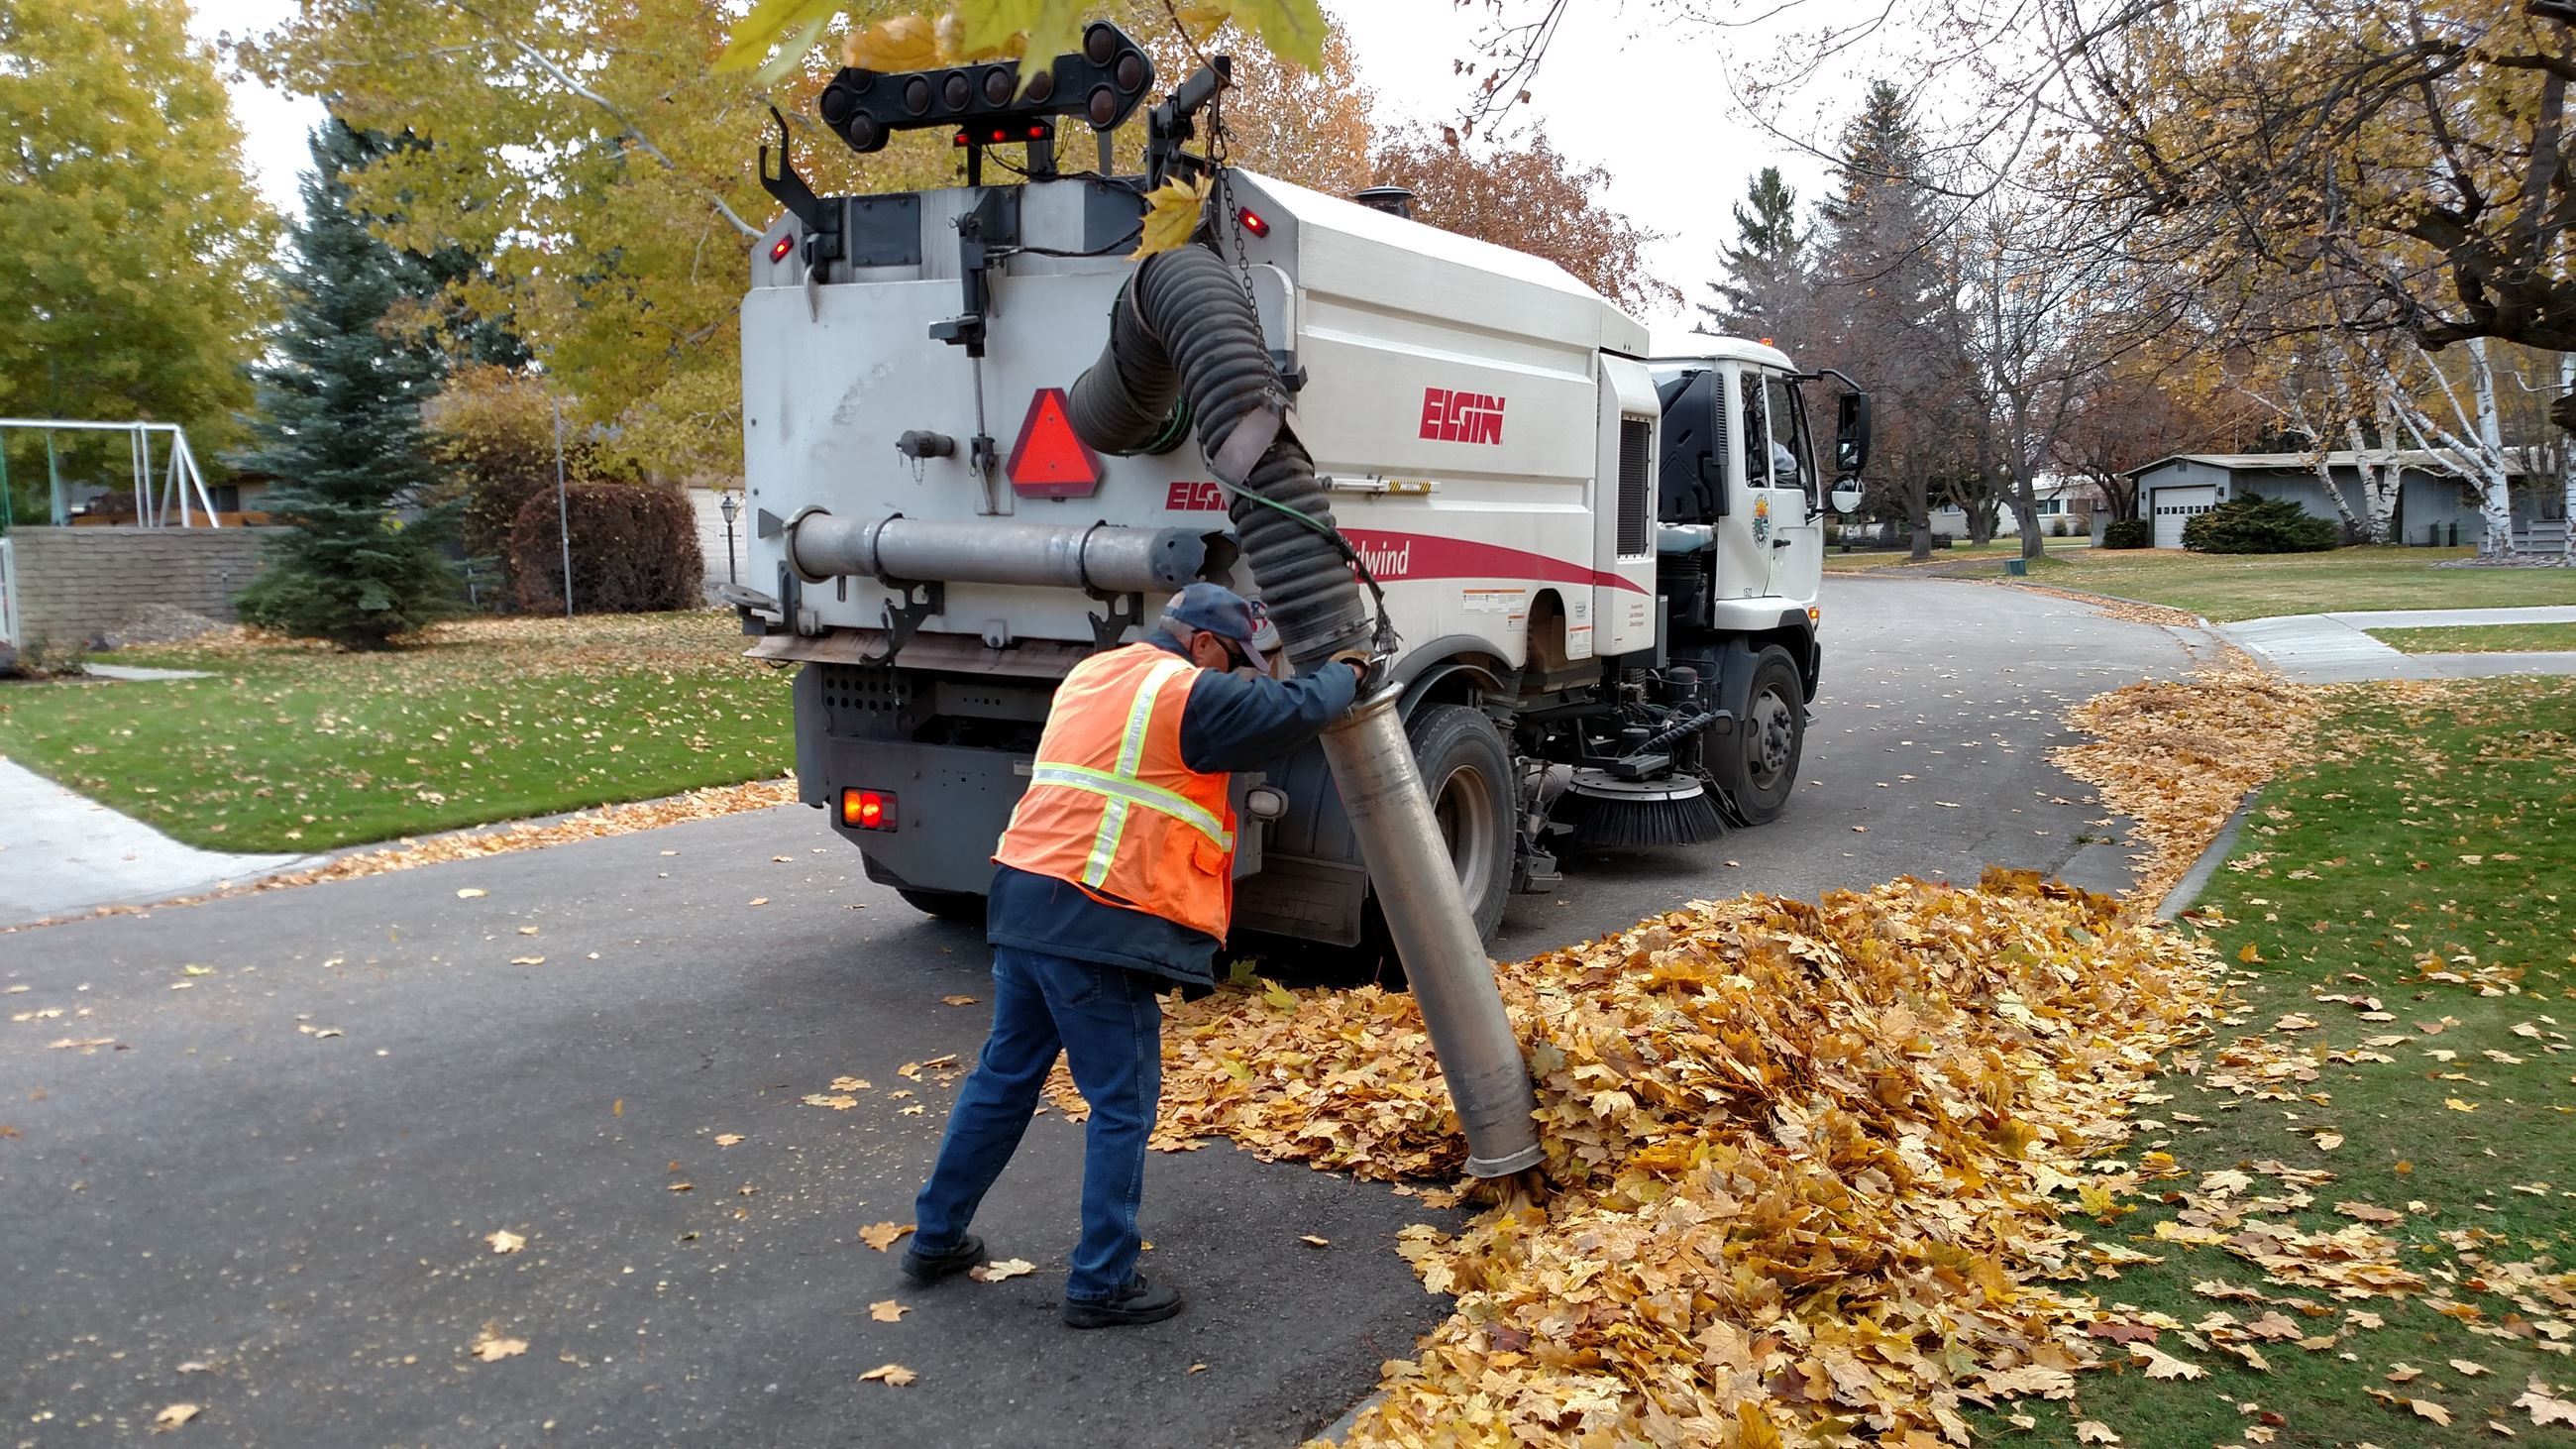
(2179, 756)
(1803, 1157)
(1808, 1161)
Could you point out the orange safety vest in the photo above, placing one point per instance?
(1112, 808)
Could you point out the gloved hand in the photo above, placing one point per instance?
(1370, 669)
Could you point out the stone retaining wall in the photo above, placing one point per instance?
(75, 584)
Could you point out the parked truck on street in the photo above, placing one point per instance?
(1596, 559)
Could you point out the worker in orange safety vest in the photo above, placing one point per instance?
(1115, 882)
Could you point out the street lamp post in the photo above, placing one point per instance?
(730, 507)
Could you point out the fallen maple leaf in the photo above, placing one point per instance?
(527, 960)
(881, 1236)
(894, 1374)
(728, 1139)
(174, 1415)
(1001, 1268)
(505, 1241)
(2427, 1409)
(887, 1311)
(1312, 1241)
(2456, 1105)
(491, 1347)
(2162, 1365)
(2094, 1431)
(2468, 1368)
(957, 1001)
(759, 900)
(2545, 1408)
(471, 893)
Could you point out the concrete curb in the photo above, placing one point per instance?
(2187, 890)
(1333, 1432)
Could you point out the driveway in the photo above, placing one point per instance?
(251, 1151)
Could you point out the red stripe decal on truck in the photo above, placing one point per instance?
(1392, 556)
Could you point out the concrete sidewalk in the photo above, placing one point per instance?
(2334, 649)
(62, 853)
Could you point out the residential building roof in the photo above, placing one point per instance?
(2417, 458)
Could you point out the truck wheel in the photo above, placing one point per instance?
(964, 907)
(1468, 773)
(1758, 764)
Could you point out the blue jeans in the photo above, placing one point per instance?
(1111, 1030)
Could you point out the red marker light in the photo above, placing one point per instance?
(1252, 222)
(779, 249)
(869, 810)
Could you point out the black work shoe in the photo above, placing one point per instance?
(1138, 1302)
(923, 1269)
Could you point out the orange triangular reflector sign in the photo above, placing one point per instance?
(1050, 460)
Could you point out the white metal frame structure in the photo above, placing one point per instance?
(154, 500)
(8, 595)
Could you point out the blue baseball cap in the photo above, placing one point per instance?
(1223, 612)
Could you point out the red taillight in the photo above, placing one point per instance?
(779, 249)
(1252, 222)
(869, 810)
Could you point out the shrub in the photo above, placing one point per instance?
(634, 550)
(2127, 533)
(2251, 523)
(2057, 528)
(495, 431)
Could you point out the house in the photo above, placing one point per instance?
(2434, 503)
(2061, 497)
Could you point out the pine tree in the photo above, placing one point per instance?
(341, 429)
(1766, 270)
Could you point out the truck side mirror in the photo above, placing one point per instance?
(1846, 499)
(1851, 436)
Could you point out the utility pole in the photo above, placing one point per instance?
(563, 509)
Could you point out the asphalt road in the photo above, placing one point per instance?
(268, 1191)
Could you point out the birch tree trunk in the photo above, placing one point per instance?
(2567, 461)
(2494, 481)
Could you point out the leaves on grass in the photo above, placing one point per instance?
(2162, 1365)
(894, 1374)
(881, 1236)
(2545, 1407)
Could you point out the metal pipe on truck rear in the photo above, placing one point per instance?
(1099, 556)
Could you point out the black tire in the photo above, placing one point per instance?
(1758, 764)
(964, 907)
(1467, 770)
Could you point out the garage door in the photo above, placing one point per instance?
(2173, 505)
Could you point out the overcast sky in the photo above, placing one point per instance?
(1624, 86)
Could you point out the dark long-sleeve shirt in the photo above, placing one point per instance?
(1230, 723)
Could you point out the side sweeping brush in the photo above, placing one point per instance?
(1675, 810)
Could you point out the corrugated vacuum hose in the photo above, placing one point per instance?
(1183, 333)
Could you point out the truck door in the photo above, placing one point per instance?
(1797, 519)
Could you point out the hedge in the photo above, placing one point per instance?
(634, 550)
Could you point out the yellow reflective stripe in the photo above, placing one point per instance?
(1140, 715)
(1104, 845)
(1121, 792)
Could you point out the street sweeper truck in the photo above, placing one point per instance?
(982, 441)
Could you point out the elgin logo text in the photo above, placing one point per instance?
(1461, 417)
(1185, 496)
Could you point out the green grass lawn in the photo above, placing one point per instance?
(2227, 587)
(2412, 893)
(290, 747)
(2479, 639)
